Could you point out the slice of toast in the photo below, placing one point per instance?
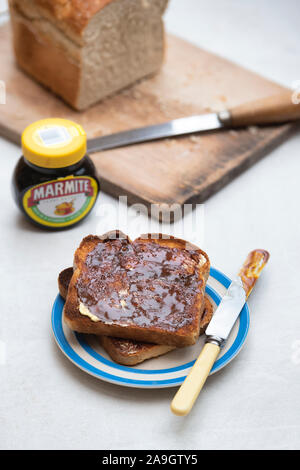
(148, 290)
(125, 351)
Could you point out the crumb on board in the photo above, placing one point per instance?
(195, 139)
(170, 142)
(253, 130)
(233, 132)
(136, 94)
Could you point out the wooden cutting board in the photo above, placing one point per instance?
(180, 170)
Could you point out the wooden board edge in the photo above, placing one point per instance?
(244, 164)
(201, 196)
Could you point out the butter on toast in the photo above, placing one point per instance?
(125, 351)
(149, 290)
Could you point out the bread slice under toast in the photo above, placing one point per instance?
(148, 290)
(125, 351)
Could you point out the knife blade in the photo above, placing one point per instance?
(177, 127)
(278, 108)
(219, 329)
(228, 311)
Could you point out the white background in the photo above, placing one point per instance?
(46, 402)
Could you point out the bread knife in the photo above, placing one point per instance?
(218, 330)
(275, 109)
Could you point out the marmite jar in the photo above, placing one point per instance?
(55, 183)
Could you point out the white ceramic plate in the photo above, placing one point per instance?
(165, 371)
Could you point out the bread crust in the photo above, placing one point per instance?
(130, 352)
(155, 332)
(64, 279)
(77, 13)
(36, 54)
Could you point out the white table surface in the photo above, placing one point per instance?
(47, 403)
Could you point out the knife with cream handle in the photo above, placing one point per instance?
(218, 330)
(271, 110)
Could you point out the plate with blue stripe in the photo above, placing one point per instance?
(168, 370)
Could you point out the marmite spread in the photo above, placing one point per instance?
(142, 283)
(55, 183)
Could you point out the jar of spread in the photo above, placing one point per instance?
(55, 183)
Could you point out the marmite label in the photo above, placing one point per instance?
(61, 202)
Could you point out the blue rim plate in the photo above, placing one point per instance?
(165, 371)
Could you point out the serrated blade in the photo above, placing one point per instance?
(182, 126)
(228, 310)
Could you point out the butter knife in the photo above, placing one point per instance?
(218, 330)
(275, 109)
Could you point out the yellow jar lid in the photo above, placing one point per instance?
(54, 143)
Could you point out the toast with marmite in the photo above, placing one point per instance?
(149, 290)
(129, 352)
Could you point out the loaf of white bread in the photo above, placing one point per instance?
(85, 50)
